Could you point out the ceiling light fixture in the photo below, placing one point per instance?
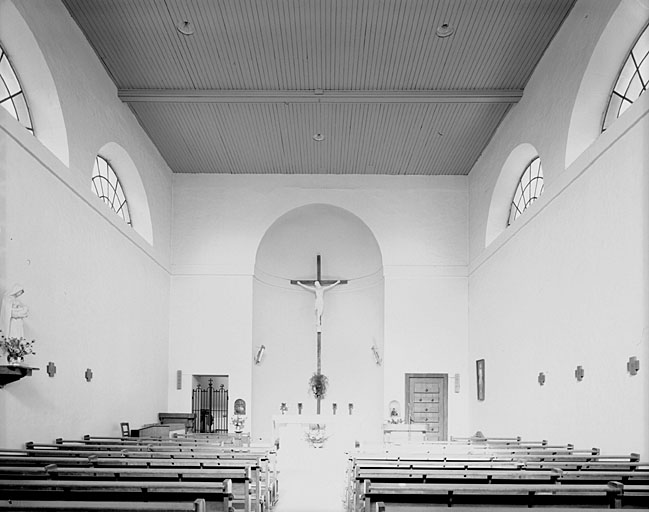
(444, 30)
(185, 27)
(318, 137)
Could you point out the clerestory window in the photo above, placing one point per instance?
(528, 190)
(106, 185)
(631, 81)
(12, 96)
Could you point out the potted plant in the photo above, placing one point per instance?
(16, 349)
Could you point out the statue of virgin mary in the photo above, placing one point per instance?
(12, 313)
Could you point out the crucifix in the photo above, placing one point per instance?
(318, 286)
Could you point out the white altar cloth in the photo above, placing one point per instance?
(343, 430)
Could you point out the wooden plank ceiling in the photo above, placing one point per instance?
(257, 79)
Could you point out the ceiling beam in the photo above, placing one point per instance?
(318, 96)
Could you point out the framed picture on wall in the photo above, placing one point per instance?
(479, 370)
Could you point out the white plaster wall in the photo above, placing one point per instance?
(566, 284)
(542, 117)
(210, 328)
(97, 300)
(98, 292)
(426, 323)
(94, 116)
(420, 225)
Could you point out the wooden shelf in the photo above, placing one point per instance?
(12, 373)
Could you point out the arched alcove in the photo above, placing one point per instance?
(501, 199)
(284, 317)
(131, 182)
(36, 80)
(599, 78)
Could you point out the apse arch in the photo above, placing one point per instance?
(37, 81)
(501, 198)
(314, 227)
(284, 333)
(600, 76)
(134, 190)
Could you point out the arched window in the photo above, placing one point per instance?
(528, 190)
(632, 80)
(12, 97)
(107, 186)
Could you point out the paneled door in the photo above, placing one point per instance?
(427, 403)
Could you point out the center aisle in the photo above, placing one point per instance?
(311, 479)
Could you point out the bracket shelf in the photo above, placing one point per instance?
(12, 373)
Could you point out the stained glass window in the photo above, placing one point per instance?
(107, 186)
(528, 190)
(12, 97)
(632, 80)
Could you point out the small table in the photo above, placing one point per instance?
(404, 430)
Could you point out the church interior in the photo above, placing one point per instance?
(325, 228)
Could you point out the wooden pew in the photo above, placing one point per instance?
(246, 476)
(420, 494)
(263, 478)
(217, 495)
(102, 506)
(265, 459)
(153, 446)
(239, 476)
(446, 476)
(527, 468)
(634, 495)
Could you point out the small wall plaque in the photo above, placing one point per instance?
(541, 378)
(633, 366)
(579, 373)
(179, 379)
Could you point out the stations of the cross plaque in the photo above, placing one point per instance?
(318, 286)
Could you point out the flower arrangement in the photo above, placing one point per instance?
(316, 435)
(394, 416)
(238, 422)
(318, 384)
(16, 348)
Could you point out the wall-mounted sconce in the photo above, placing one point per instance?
(377, 356)
(260, 354)
(351, 408)
(283, 408)
(457, 382)
(579, 373)
(633, 366)
(88, 375)
(299, 407)
(541, 379)
(51, 369)
(334, 408)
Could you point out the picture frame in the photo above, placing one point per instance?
(480, 378)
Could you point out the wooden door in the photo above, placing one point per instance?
(427, 403)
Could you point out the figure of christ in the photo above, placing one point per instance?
(319, 290)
